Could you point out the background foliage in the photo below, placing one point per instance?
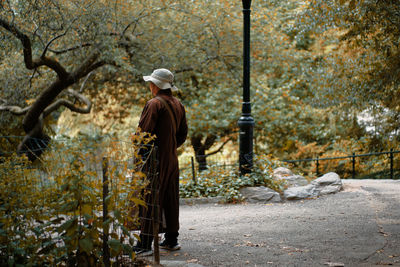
(324, 74)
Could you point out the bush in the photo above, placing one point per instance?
(51, 212)
(226, 182)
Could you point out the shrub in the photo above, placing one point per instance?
(51, 212)
(226, 181)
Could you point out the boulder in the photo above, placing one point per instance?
(287, 176)
(328, 183)
(295, 180)
(282, 172)
(260, 194)
(301, 192)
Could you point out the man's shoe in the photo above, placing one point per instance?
(142, 251)
(170, 246)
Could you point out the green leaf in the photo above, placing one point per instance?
(115, 245)
(66, 225)
(86, 245)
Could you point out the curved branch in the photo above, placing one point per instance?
(27, 49)
(49, 95)
(58, 52)
(209, 141)
(49, 43)
(219, 149)
(16, 110)
(84, 82)
(184, 70)
(135, 21)
(68, 104)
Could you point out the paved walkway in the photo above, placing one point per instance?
(359, 226)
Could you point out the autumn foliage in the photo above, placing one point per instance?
(51, 213)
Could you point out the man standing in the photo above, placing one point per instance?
(164, 116)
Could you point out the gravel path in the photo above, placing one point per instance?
(359, 226)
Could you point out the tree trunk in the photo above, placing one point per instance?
(35, 140)
(200, 147)
(201, 159)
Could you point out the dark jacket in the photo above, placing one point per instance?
(155, 119)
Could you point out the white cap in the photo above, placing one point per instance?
(163, 78)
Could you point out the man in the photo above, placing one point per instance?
(164, 116)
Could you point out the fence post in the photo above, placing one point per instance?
(155, 204)
(391, 163)
(317, 166)
(106, 249)
(354, 165)
(193, 171)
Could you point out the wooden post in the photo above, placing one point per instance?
(193, 172)
(106, 249)
(391, 163)
(317, 167)
(156, 203)
(354, 165)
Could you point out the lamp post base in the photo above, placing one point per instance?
(246, 125)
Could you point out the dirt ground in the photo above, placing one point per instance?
(359, 226)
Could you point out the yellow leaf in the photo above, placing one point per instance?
(87, 209)
(139, 202)
(30, 101)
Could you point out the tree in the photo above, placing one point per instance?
(363, 56)
(200, 42)
(61, 44)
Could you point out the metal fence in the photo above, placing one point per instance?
(353, 157)
(190, 166)
(105, 177)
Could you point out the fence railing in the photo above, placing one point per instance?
(192, 165)
(353, 159)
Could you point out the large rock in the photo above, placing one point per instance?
(300, 192)
(282, 172)
(328, 183)
(287, 176)
(260, 194)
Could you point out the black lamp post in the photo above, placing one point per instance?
(246, 121)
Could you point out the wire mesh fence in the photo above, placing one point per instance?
(190, 167)
(79, 202)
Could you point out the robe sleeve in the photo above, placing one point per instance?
(182, 131)
(148, 119)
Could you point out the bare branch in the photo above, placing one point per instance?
(49, 43)
(68, 104)
(58, 52)
(209, 141)
(29, 62)
(134, 22)
(84, 82)
(184, 70)
(16, 110)
(30, 80)
(59, 36)
(219, 149)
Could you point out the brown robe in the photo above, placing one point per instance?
(155, 119)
